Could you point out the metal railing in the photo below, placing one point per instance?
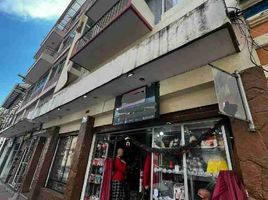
(102, 23)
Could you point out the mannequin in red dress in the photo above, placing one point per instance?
(119, 176)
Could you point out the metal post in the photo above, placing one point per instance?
(245, 102)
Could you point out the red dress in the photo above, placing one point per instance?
(229, 186)
(119, 170)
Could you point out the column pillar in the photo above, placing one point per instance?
(32, 165)
(44, 162)
(251, 148)
(80, 159)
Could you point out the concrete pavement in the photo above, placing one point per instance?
(4, 194)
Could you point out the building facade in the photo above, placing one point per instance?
(135, 74)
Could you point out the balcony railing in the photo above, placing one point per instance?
(103, 22)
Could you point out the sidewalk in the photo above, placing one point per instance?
(4, 194)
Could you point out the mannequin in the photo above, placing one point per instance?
(118, 176)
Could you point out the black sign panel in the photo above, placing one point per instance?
(137, 105)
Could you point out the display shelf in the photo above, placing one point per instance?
(201, 178)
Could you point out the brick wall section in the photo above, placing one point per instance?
(37, 191)
(252, 147)
(32, 165)
(80, 159)
(259, 30)
(263, 54)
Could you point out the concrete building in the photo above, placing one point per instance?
(110, 73)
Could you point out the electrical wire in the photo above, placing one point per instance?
(249, 41)
(248, 38)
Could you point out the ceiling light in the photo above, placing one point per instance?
(130, 74)
(161, 133)
(85, 96)
(58, 109)
(142, 79)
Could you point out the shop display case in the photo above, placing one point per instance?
(174, 176)
(95, 176)
(181, 176)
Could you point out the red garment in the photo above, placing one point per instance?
(106, 182)
(119, 170)
(147, 171)
(229, 186)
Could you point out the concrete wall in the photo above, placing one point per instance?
(169, 34)
(185, 91)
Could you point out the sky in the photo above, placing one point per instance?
(23, 26)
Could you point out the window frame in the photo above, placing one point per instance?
(61, 136)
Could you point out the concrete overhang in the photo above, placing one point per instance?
(125, 22)
(20, 128)
(169, 52)
(52, 40)
(40, 67)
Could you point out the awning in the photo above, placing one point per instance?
(20, 128)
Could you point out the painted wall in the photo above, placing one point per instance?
(167, 36)
(189, 90)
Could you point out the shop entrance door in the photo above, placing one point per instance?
(105, 147)
(185, 160)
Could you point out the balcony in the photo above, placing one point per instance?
(123, 23)
(41, 66)
(200, 34)
(52, 41)
(22, 125)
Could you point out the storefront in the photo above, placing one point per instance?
(21, 161)
(173, 161)
(14, 146)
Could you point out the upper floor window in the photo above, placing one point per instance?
(62, 163)
(68, 39)
(159, 7)
(167, 4)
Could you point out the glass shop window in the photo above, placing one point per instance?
(192, 173)
(205, 160)
(62, 163)
(167, 169)
(95, 177)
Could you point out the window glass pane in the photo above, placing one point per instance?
(62, 162)
(170, 3)
(167, 169)
(94, 180)
(206, 160)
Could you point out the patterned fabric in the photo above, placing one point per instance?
(118, 192)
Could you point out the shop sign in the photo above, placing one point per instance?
(231, 96)
(137, 105)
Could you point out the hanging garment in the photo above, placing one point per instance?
(119, 170)
(107, 177)
(147, 171)
(229, 186)
(118, 190)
